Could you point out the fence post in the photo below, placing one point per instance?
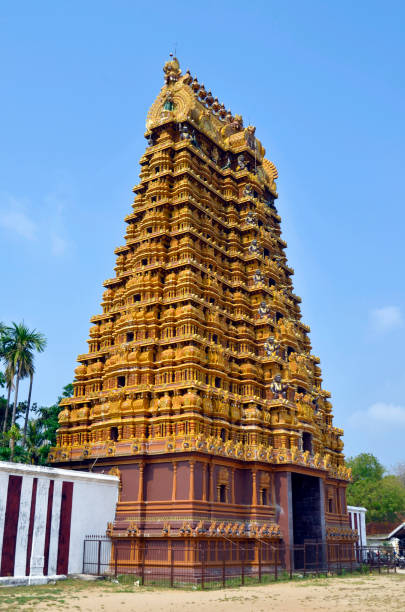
(291, 561)
(171, 566)
(142, 565)
(243, 566)
(260, 561)
(317, 558)
(84, 554)
(276, 563)
(223, 565)
(115, 558)
(379, 566)
(202, 568)
(98, 558)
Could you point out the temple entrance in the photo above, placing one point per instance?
(307, 521)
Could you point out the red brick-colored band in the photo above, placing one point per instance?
(64, 528)
(11, 525)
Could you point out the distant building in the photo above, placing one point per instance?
(357, 516)
(382, 533)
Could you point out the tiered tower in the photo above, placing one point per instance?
(199, 387)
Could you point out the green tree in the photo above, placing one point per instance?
(19, 346)
(14, 434)
(366, 466)
(383, 496)
(29, 370)
(35, 443)
(400, 472)
(384, 499)
(9, 378)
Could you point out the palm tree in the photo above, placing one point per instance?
(29, 371)
(19, 347)
(9, 376)
(9, 372)
(35, 441)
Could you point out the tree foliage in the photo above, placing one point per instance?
(366, 466)
(40, 434)
(382, 495)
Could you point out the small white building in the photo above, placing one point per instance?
(45, 514)
(357, 517)
(394, 537)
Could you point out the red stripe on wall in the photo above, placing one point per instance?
(48, 527)
(31, 526)
(64, 528)
(11, 525)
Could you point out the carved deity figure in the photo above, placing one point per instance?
(185, 132)
(271, 346)
(263, 309)
(241, 165)
(286, 292)
(258, 277)
(215, 155)
(194, 140)
(251, 218)
(248, 191)
(236, 123)
(250, 136)
(150, 139)
(228, 162)
(315, 403)
(278, 388)
(254, 247)
(168, 103)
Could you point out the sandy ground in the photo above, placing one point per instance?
(355, 594)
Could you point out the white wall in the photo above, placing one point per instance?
(94, 502)
(360, 514)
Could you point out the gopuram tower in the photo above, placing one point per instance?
(199, 388)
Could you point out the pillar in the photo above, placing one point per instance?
(254, 488)
(204, 482)
(174, 485)
(140, 486)
(211, 482)
(191, 491)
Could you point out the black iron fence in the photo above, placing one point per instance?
(221, 562)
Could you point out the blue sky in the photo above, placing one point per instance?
(324, 84)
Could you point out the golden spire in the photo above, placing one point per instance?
(172, 70)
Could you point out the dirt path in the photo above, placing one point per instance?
(356, 594)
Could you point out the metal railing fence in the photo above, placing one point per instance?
(221, 562)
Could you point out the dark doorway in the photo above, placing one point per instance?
(307, 442)
(307, 521)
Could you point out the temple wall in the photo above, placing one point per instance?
(45, 513)
(198, 480)
(158, 481)
(183, 475)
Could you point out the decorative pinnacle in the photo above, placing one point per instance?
(172, 70)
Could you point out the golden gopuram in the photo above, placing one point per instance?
(199, 388)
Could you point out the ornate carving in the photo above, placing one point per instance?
(175, 360)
